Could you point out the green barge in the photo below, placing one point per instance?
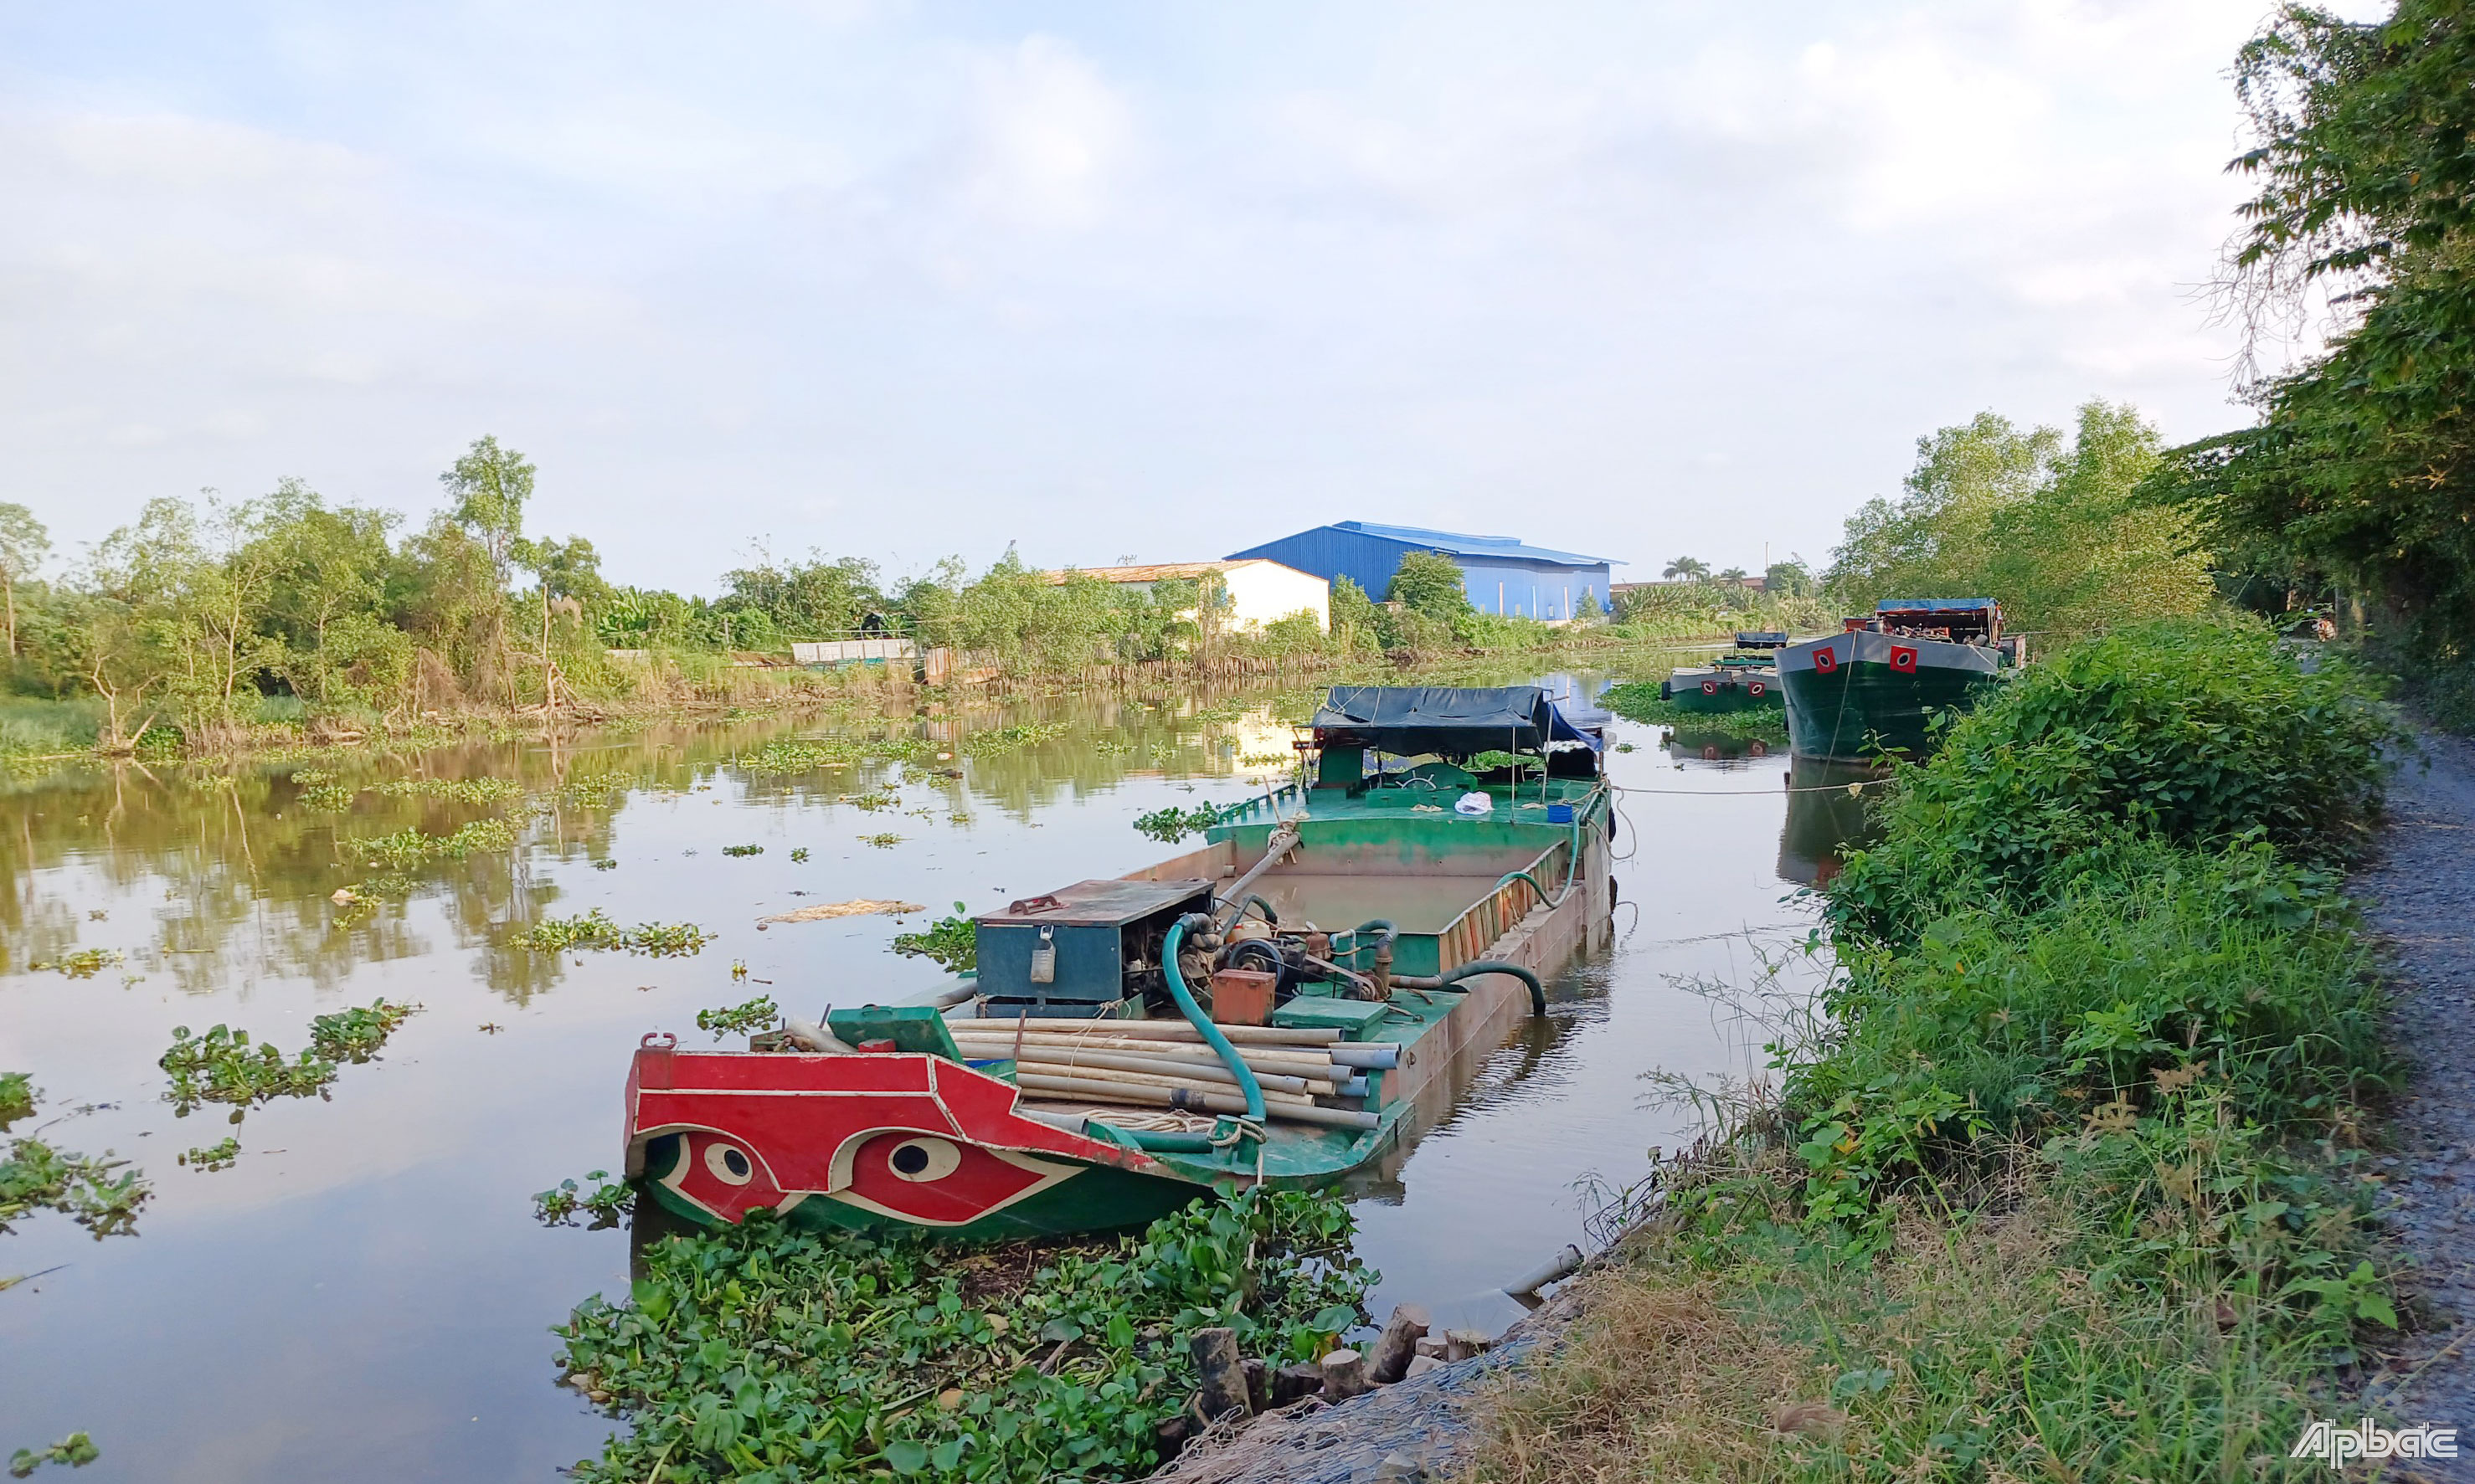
(1871, 690)
(1287, 1004)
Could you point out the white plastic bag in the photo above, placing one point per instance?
(1473, 806)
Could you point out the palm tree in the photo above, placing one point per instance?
(1735, 574)
(1690, 569)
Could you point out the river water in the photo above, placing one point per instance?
(366, 1293)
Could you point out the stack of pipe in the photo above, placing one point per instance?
(1163, 1063)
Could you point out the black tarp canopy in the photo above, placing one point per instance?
(1451, 719)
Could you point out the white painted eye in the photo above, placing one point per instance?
(728, 1163)
(921, 1160)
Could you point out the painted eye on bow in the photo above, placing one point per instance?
(728, 1163)
(924, 1159)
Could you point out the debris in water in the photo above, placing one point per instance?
(858, 907)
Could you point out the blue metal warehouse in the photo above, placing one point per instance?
(1501, 574)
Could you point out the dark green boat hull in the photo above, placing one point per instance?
(1864, 710)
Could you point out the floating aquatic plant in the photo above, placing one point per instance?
(218, 1155)
(77, 1451)
(606, 1202)
(799, 854)
(757, 1014)
(596, 929)
(463, 791)
(16, 1096)
(1012, 738)
(768, 1350)
(951, 941)
(38, 1176)
(356, 1034)
(408, 849)
(1170, 824)
(743, 850)
(85, 963)
(882, 841)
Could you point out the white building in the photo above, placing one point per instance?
(1259, 590)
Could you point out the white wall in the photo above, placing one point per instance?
(1261, 591)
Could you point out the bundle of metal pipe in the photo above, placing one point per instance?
(1312, 1063)
(1114, 1090)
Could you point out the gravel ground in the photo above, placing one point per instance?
(2419, 895)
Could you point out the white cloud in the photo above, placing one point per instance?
(886, 279)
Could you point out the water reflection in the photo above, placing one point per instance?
(365, 1294)
(1720, 747)
(1830, 812)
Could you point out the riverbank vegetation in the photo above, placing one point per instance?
(205, 627)
(2064, 1175)
(768, 1353)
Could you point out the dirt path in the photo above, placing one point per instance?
(2420, 897)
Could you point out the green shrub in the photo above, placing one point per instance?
(2198, 731)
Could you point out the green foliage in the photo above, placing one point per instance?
(1639, 700)
(17, 1096)
(768, 1353)
(2206, 733)
(606, 1202)
(488, 489)
(760, 1013)
(77, 1451)
(950, 941)
(2059, 1179)
(1687, 568)
(597, 930)
(1171, 824)
(1430, 584)
(38, 1176)
(222, 1155)
(2358, 468)
(2060, 534)
(885, 839)
(743, 850)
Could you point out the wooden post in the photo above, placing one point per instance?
(1344, 1375)
(1224, 1373)
(1397, 1346)
(1463, 1344)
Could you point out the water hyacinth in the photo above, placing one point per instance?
(767, 1352)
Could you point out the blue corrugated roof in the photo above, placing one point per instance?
(1933, 605)
(1460, 544)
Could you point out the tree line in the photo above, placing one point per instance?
(206, 616)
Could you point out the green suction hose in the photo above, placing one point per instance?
(1202, 1023)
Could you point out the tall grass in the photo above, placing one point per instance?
(2060, 1180)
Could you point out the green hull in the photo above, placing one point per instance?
(1864, 709)
(1685, 693)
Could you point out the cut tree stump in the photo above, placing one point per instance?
(1463, 1344)
(1224, 1373)
(1344, 1375)
(1397, 1346)
(1291, 1382)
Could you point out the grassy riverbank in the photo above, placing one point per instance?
(2064, 1180)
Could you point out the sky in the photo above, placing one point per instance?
(1104, 281)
